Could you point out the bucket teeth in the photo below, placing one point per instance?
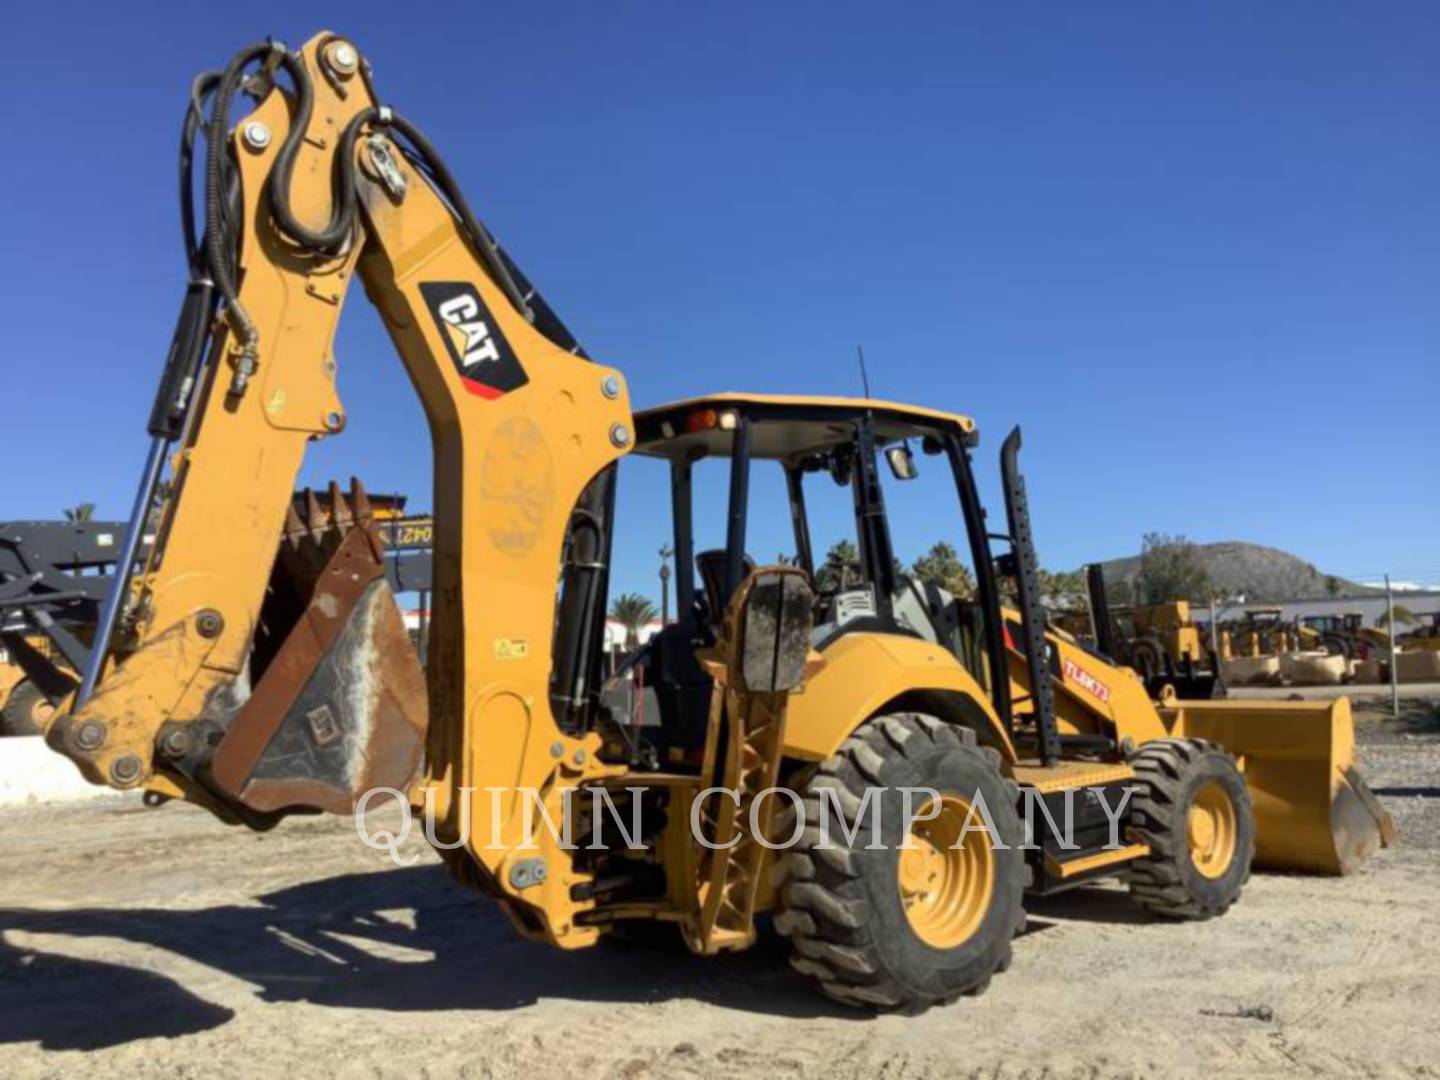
(314, 516)
(360, 502)
(294, 527)
(316, 531)
(340, 515)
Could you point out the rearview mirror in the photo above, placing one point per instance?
(902, 462)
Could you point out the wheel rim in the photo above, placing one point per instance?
(946, 882)
(1213, 830)
(41, 712)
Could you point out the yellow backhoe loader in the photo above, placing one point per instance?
(259, 685)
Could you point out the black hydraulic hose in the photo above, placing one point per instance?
(220, 242)
(485, 245)
(332, 238)
(200, 89)
(219, 246)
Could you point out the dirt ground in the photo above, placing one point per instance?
(160, 943)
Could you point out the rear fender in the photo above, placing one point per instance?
(869, 674)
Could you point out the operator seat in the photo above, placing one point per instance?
(713, 565)
(932, 612)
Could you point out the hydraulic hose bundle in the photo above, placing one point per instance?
(222, 240)
(212, 251)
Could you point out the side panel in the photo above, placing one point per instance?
(865, 672)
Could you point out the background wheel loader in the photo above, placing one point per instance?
(1161, 642)
(259, 684)
(1347, 635)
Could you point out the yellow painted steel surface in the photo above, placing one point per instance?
(946, 873)
(508, 472)
(865, 673)
(1212, 830)
(964, 423)
(1087, 863)
(1068, 775)
(1312, 809)
(235, 475)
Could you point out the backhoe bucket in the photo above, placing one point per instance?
(339, 707)
(1313, 810)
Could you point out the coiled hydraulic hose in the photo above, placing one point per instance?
(221, 239)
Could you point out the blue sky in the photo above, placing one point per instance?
(1194, 252)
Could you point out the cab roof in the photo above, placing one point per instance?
(805, 424)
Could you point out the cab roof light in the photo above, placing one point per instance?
(709, 419)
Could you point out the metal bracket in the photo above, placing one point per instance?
(385, 167)
(527, 873)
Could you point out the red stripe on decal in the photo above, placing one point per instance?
(489, 393)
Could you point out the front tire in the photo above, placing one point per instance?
(27, 710)
(879, 925)
(1194, 811)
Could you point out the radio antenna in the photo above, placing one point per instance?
(864, 378)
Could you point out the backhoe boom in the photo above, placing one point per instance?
(524, 429)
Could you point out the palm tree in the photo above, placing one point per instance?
(632, 611)
(80, 514)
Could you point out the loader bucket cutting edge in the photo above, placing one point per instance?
(1314, 812)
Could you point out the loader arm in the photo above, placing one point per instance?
(524, 429)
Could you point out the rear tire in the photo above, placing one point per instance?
(873, 930)
(1194, 811)
(27, 711)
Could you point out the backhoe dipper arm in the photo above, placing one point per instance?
(524, 428)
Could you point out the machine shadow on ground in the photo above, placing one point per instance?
(1089, 904)
(397, 940)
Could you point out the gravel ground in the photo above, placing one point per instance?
(160, 943)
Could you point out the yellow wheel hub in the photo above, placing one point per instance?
(1212, 830)
(946, 882)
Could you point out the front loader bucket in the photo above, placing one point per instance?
(339, 706)
(1313, 810)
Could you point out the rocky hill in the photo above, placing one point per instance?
(1260, 573)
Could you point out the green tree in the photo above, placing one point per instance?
(1063, 591)
(1171, 569)
(1402, 615)
(81, 513)
(1120, 592)
(841, 568)
(1332, 585)
(941, 566)
(633, 612)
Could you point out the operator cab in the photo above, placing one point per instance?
(859, 446)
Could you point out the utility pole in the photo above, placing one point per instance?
(665, 552)
(1214, 636)
(1390, 625)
